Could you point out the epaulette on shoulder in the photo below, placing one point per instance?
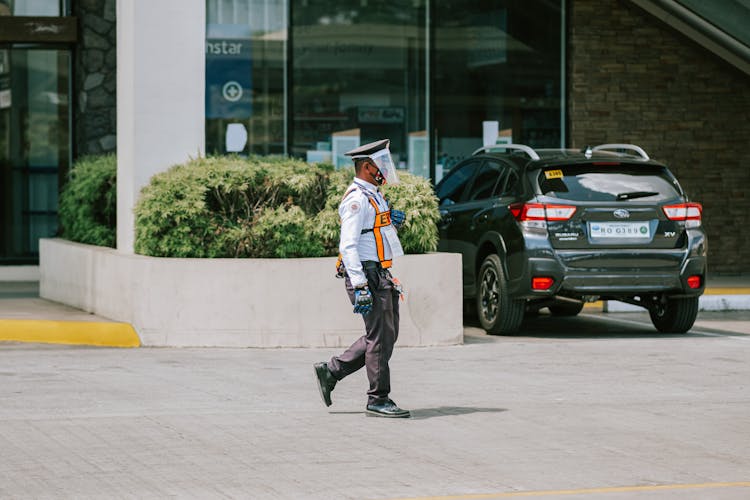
(349, 191)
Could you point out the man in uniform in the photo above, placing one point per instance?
(367, 246)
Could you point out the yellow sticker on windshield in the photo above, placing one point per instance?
(553, 174)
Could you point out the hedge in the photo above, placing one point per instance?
(275, 207)
(87, 209)
(229, 206)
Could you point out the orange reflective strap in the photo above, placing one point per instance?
(376, 232)
(339, 266)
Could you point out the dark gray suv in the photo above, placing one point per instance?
(558, 228)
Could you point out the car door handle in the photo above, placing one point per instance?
(446, 219)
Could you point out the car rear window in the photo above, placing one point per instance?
(608, 183)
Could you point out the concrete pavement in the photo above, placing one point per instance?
(24, 316)
(595, 407)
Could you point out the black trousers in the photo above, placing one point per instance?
(373, 350)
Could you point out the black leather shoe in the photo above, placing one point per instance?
(326, 381)
(388, 409)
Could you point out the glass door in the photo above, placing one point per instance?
(35, 121)
(34, 146)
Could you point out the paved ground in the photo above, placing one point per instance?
(599, 405)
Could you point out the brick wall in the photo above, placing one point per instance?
(633, 79)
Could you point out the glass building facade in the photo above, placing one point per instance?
(306, 78)
(35, 127)
(313, 78)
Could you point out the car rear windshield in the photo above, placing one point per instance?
(608, 183)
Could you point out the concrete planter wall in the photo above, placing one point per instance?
(245, 302)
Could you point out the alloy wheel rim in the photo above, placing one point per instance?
(489, 294)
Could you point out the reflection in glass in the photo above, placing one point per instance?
(358, 73)
(30, 7)
(34, 146)
(245, 76)
(496, 60)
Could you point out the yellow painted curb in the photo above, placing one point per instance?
(69, 332)
(599, 304)
(727, 291)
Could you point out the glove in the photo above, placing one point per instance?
(362, 301)
(397, 218)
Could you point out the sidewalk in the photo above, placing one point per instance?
(26, 317)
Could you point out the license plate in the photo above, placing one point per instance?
(636, 230)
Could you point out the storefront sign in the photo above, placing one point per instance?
(228, 77)
(391, 114)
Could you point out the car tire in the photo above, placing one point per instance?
(675, 315)
(498, 313)
(566, 309)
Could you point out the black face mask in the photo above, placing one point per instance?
(379, 179)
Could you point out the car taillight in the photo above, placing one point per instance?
(524, 212)
(694, 281)
(541, 211)
(689, 213)
(542, 282)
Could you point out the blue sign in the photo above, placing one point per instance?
(229, 84)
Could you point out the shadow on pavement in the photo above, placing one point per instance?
(449, 411)
(586, 326)
(440, 411)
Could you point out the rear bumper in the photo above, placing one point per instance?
(610, 282)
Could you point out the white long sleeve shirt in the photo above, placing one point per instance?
(356, 213)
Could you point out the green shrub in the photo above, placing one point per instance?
(88, 202)
(327, 222)
(284, 233)
(415, 196)
(262, 207)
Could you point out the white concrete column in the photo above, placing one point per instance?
(160, 96)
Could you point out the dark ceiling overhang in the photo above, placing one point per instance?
(695, 27)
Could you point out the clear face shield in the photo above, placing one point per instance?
(383, 160)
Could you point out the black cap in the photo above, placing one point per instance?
(368, 149)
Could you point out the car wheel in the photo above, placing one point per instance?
(675, 315)
(498, 313)
(566, 309)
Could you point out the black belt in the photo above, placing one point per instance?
(371, 264)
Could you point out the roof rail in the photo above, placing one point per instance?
(521, 147)
(631, 147)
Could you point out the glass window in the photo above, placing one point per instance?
(245, 76)
(496, 61)
(31, 8)
(593, 183)
(358, 73)
(511, 184)
(486, 181)
(34, 146)
(453, 185)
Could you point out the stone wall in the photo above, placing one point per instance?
(631, 78)
(95, 79)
